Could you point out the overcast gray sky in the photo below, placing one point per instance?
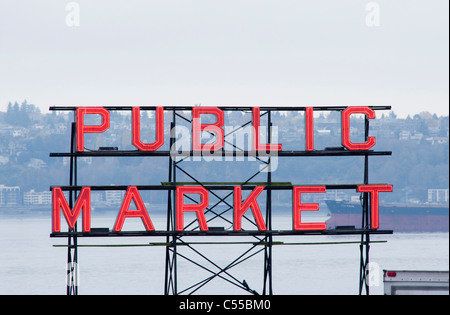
(214, 52)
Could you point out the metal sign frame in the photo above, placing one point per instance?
(263, 240)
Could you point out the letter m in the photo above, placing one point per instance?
(60, 203)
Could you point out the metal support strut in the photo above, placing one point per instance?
(72, 248)
(365, 224)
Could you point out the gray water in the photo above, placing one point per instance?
(30, 264)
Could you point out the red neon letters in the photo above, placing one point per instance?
(298, 207)
(197, 208)
(60, 203)
(137, 130)
(256, 145)
(132, 194)
(374, 211)
(240, 209)
(309, 122)
(141, 212)
(82, 128)
(216, 127)
(346, 128)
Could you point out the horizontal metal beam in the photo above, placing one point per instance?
(220, 233)
(248, 186)
(317, 153)
(274, 243)
(226, 108)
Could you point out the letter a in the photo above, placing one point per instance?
(141, 212)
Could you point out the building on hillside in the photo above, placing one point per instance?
(437, 195)
(9, 196)
(37, 198)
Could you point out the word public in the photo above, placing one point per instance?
(216, 128)
(240, 207)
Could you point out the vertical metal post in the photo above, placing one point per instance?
(268, 246)
(72, 248)
(170, 285)
(365, 237)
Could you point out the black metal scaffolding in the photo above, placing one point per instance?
(263, 241)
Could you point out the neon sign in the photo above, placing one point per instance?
(241, 207)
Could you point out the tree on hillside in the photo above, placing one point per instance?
(20, 115)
